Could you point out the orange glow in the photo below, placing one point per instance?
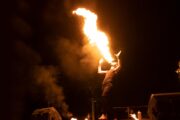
(73, 118)
(134, 116)
(94, 35)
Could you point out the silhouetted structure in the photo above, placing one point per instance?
(164, 106)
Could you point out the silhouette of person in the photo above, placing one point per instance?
(107, 82)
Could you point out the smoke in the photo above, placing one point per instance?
(44, 45)
(77, 61)
(38, 83)
(46, 79)
(64, 39)
(22, 63)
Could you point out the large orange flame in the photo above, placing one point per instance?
(94, 35)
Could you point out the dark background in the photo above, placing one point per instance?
(40, 33)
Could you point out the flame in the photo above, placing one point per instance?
(134, 116)
(73, 118)
(94, 35)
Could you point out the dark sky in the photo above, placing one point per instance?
(44, 33)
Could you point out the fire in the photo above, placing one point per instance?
(73, 118)
(134, 116)
(94, 35)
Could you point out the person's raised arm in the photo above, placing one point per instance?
(99, 67)
(118, 64)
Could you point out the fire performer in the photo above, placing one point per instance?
(98, 38)
(107, 82)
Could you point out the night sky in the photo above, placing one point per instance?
(43, 40)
